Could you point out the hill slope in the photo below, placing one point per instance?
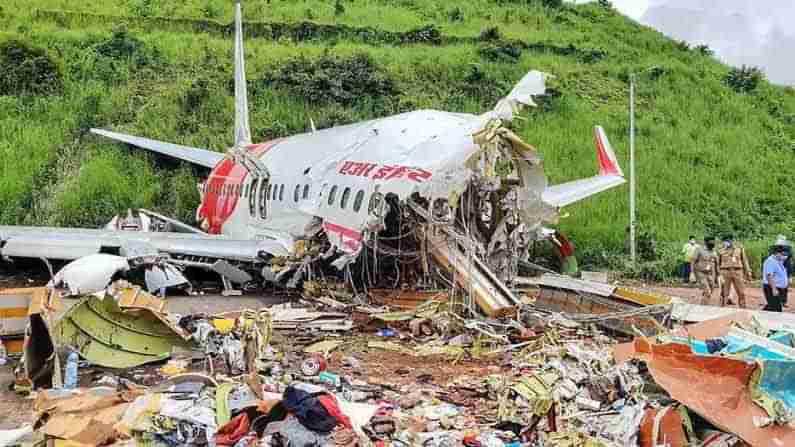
(710, 159)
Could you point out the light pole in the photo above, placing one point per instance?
(632, 242)
(632, 220)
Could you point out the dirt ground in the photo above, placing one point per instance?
(755, 300)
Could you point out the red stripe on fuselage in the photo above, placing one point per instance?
(350, 238)
(223, 188)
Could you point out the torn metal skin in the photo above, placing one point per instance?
(125, 328)
(726, 391)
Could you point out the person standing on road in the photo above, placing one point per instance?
(785, 244)
(688, 251)
(705, 266)
(734, 269)
(775, 280)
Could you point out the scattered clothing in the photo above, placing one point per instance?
(303, 401)
(233, 431)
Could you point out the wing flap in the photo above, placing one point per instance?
(201, 157)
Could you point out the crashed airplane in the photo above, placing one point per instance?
(458, 195)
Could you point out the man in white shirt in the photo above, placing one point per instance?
(775, 280)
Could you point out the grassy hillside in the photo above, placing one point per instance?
(713, 156)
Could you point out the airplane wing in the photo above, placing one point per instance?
(610, 176)
(74, 243)
(201, 157)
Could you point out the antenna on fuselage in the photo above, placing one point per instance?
(242, 131)
(312, 124)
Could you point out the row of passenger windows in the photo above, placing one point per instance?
(222, 190)
(345, 197)
(301, 192)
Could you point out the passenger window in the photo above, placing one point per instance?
(297, 193)
(357, 202)
(332, 194)
(275, 192)
(263, 200)
(281, 193)
(306, 192)
(346, 194)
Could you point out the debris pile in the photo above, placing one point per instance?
(333, 372)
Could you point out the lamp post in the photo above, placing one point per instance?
(632, 242)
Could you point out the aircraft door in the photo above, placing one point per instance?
(263, 199)
(252, 198)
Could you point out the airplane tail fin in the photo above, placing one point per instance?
(610, 176)
(242, 131)
(608, 164)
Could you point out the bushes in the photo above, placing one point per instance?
(490, 34)
(122, 45)
(744, 79)
(554, 4)
(334, 80)
(27, 70)
(500, 52)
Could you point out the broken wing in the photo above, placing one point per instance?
(74, 243)
(610, 176)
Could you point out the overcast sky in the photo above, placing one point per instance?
(750, 32)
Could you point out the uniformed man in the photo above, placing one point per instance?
(705, 266)
(734, 269)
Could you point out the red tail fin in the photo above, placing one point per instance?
(608, 164)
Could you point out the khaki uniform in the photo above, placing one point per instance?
(705, 266)
(734, 270)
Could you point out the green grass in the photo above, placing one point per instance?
(709, 160)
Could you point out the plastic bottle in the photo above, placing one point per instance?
(3, 354)
(70, 381)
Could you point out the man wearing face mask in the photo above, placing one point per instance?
(733, 265)
(785, 244)
(775, 280)
(705, 266)
(688, 251)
